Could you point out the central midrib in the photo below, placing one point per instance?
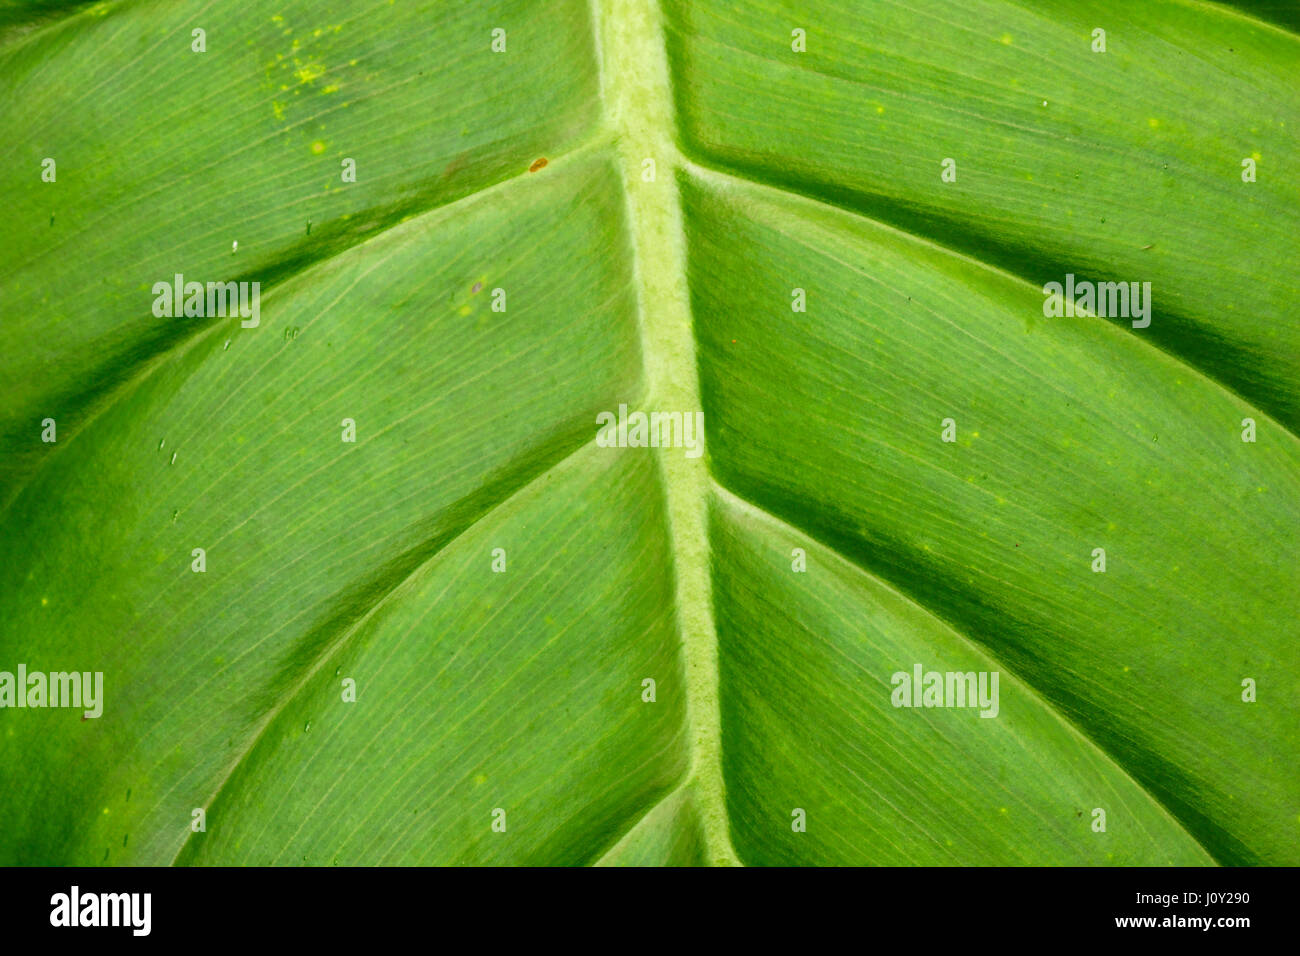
(634, 86)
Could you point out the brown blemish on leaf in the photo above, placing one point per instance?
(537, 164)
(456, 164)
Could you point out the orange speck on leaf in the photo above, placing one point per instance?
(538, 164)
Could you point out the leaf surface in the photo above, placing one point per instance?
(496, 587)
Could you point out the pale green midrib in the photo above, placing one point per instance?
(637, 100)
(740, 502)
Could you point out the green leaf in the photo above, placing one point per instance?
(475, 634)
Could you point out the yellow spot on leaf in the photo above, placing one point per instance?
(318, 147)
